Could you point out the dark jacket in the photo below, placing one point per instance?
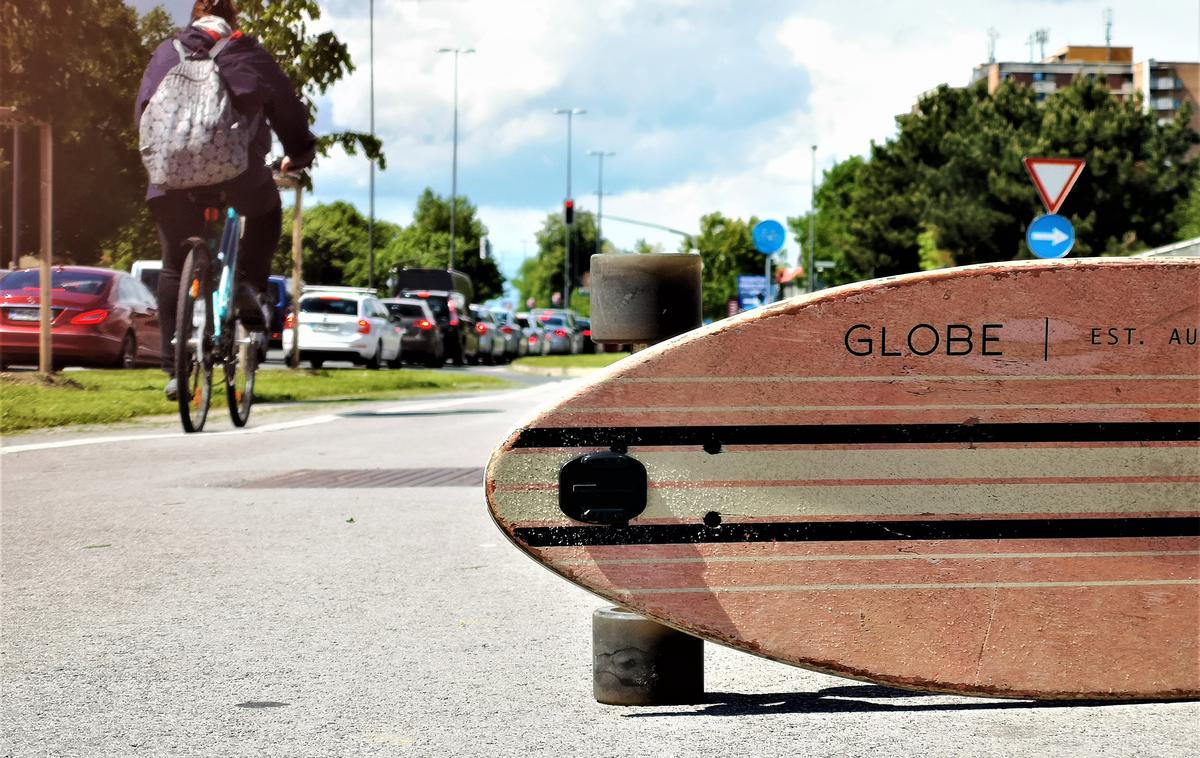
(257, 86)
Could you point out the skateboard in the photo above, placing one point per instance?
(978, 481)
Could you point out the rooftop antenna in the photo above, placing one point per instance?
(993, 35)
(1042, 36)
(1029, 43)
(1108, 19)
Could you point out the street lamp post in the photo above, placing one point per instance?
(601, 155)
(454, 155)
(371, 191)
(569, 113)
(812, 226)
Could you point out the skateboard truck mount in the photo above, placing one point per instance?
(602, 488)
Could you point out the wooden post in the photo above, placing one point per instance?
(297, 211)
(45, 348)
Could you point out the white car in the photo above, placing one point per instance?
(344, 324)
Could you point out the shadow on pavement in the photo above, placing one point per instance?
(843, 700)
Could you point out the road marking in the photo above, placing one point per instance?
(282, 425)
(948, 586)
(887, 557)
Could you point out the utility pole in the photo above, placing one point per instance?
(16, 197)
(569, 113)
(371, 215)
(454, 154)
(812, 226)
(601, 155)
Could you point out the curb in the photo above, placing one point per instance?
(553, 370)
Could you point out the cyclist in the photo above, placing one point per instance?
(260, 90)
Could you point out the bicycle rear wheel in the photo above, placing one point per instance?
(193, 340)
(241, 363)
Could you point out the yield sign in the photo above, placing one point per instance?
(1054, 178)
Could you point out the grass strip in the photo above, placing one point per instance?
(586, 360)
(36, 401)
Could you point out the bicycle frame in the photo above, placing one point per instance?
(227, 253)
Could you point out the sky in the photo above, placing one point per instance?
(708, 105)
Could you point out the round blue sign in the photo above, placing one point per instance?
(768, 236)
(1050, 236)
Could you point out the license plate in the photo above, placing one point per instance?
(23, 314)
(326, 327)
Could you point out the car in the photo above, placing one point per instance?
(447, 291)
(279, 295)
(147, 272)
(100, 317)
(561, 331)
(491, 339)
(344, 324)
(515, 345)
(421, 337)
(534, 335)
(585, 330)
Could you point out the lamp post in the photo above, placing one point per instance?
(812, 226)
(569, 113)
(601, 155)
(371, 191)
(454, 154)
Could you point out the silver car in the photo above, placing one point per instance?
(562, 333)
(491, 339)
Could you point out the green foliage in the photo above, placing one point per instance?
(1187, 216)
(950, 188)
(334, 245)
(542, 275)
(313, 62)
(727, 248)
(77, 64)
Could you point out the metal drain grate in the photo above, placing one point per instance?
(342, 478)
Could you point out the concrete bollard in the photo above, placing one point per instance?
(636, 661)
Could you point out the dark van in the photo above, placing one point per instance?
(447, 293)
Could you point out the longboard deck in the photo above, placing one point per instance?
(977, 481)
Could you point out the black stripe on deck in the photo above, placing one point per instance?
(857, 434)
(855, 531)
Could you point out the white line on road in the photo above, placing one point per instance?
(543, 390)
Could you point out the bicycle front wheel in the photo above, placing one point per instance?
(193, 340)
(241, 363)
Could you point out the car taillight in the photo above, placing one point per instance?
(533, 339)
(560, 332)
(587, 332)
(364, 326)
(424, 325)
(481, 328)
(453, 313)
(96, 316)
(506, 329)
(290, 321)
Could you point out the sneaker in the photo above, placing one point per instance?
(250, 308)
(172, 389)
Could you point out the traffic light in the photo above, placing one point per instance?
(569, 211)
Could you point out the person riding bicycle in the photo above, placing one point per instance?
(259, 90)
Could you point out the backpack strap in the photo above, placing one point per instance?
(179, 48)
(218, 47)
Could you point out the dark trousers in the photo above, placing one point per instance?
(178, 216)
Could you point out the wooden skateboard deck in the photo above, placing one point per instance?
(978, 481)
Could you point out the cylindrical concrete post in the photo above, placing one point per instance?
(637, 661)
(644, 298)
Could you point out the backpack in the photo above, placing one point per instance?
(190, 134)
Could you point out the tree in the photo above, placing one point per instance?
(334, 235)
(77, 64)
(727, 248)
(835, 241)
(541, 276)
(426, 244)
(313, 62)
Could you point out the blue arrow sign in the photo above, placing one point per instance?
(768, 236)
(1050, 236)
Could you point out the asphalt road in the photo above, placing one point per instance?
(157, 601)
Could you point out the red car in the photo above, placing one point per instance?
(100, 317)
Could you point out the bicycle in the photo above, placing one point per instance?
(208, 328)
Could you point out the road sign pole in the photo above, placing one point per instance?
(45, 347)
